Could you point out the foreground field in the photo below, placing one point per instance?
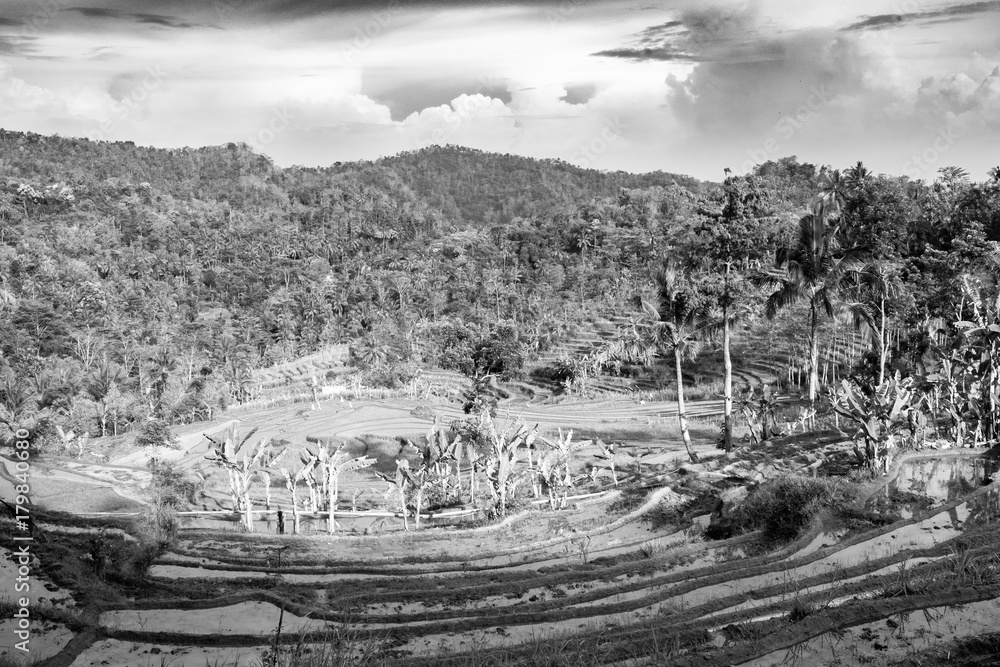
(904, 573)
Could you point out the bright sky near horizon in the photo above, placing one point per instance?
(907, 86)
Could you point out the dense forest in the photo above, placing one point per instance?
(144, 286)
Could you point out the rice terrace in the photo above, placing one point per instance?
(447, 333)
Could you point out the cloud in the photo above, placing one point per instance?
(952, 13)
(17, 45)
(703, 33)
(580, 93)
(405, 91)
(960, 101)
(470, 120)
(160, 20)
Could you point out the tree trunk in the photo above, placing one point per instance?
(247, 509)
(681, 416)
(332, 501)
(881, 341)
(402, 505)
(813, 354)
(295, 512)
(727, 362)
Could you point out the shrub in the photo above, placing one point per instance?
(172, 485)
(782, 507)
(156, 433)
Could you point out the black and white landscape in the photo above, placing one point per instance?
(572, 332)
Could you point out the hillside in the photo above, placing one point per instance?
(142, 286)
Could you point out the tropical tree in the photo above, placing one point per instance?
(737, 237)
(331, 464)
(811, 271)
(678, 321)
(292, 480)
(501, 466)
(244, 464)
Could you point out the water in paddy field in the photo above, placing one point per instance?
(312, 524)
(945, 479)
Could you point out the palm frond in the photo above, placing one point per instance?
(788, 294)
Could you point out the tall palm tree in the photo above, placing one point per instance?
(834, 193)
(810, 271)
(881, 283)
(676, 322)
(856, 176)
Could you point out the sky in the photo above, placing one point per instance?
(686, 86)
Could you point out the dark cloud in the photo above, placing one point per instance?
(702, 34)
(579, 93)
(9, 23)
(138, 17)
(952, 13)
(666, 53)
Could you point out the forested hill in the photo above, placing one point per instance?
(460, 185)
(476, 187)
(142, 285)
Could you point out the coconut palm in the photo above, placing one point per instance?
(677, 322)
(855, 177)
(834, 193)
(811, 271)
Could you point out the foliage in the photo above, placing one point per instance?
(155, 433)
(881, 413)
(757, 405)
(782, 507)
(171, 485)
(501, 466)
(245, 464)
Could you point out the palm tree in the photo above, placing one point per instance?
(678, 322)
(882, 283)
(855, 177)
(834, 193)
(809, 271)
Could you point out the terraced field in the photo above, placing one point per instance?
(625, 575)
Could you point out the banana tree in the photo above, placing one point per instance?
(245, 464)
(758, 408)
(333, 464)
(417, 480)
(609, 457)
(881, 415)
(398, 479)
(292, 480)
(476, 466)
(502, 469)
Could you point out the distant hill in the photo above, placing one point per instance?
(473, 186)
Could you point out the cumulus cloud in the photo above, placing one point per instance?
(471, 120)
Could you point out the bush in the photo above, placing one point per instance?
(171, 485)
(500, 353)
(784, 506)
(156, 433)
